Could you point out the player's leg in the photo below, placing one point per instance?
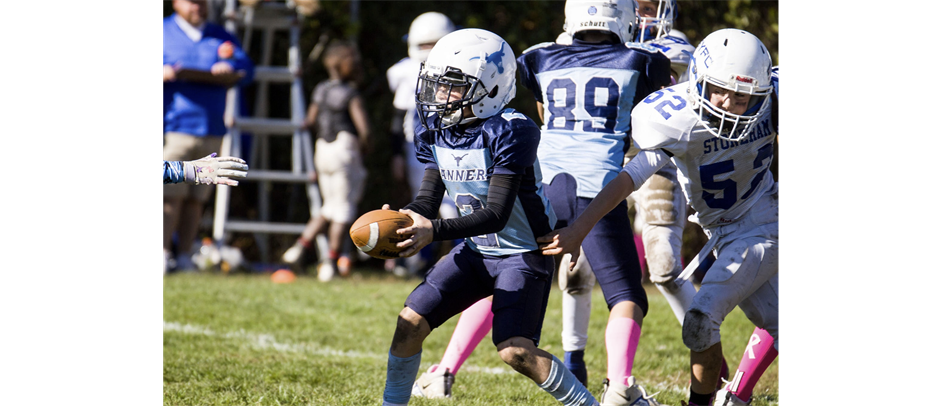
(576, 284)
(762, 309)
(521, 291)
(661, 208)
(473, 324)
(453, 284)
(610, 250)
(742, 270)
(759, 354)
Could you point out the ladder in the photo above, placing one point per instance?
(269, 17)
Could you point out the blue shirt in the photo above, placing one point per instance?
(587, 91)
(505, 143)
(197, 108)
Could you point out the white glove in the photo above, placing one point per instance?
(210, 170)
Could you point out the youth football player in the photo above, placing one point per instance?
(485, 156)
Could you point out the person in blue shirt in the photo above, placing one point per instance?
(485, 156)
(208, 170)
(193, 112)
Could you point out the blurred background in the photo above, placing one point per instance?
(378, 30)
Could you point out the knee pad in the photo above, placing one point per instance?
(699, 332)
(662, 252)
(579, 279)
(659, 201)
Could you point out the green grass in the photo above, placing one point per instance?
(243, 340)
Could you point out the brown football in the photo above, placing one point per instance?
(375, 233)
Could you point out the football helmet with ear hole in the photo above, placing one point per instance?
(651, 28)
(469, 68)
(735, 60)
(616, 16)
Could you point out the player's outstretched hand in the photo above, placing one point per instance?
(563, 241)
(420, 231)
(210, 170)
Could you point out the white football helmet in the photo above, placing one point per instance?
(617, 16)
(426, 29)
(467, 68)
(736, 60)
(651, 28)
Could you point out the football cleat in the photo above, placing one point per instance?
(326, 270)
(727, 398)
(580, 277)
(344, 265)
(293, 254)
(615, 394)
(434, 384)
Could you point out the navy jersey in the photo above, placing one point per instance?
(587, 91)
(505, 143)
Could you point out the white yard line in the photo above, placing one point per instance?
(267, 341)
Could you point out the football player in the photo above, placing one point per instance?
(761, 349)
(485, 155)
(719, 129)
(424, 32)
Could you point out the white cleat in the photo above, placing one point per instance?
(727, 398)
(434, 384)
(615, 394)
(293, 254)
(326, 271)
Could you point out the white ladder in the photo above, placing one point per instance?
(268, 17)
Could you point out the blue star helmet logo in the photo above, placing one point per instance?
(497, 58)
(592, 10)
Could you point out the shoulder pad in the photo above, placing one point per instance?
(638, 45)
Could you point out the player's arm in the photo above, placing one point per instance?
(501, 195)
(173, 172)
(429, 197)
(311, 118)
(360, 121)
(539, 112)
(208, 170)
(568, 239)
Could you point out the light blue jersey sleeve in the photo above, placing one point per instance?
(173, 172)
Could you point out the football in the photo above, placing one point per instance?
(375, 233)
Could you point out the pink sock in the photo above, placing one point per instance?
(639, 245)
(473, 324)
(621, 342)
(760, 352)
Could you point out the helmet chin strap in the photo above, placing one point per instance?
(455, 118)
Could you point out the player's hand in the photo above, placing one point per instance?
(563, 241)
(210, 170)
(220, 68)
(420, 231)
(170, 73)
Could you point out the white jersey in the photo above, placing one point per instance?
(721, 179)
(402, 78)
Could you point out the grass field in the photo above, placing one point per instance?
(243, 340)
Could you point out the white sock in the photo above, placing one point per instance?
(565, 388)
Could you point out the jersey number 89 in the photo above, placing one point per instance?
(562, 99)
